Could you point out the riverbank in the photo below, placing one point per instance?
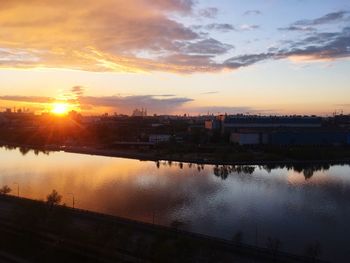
(53, 234)
(196, 158)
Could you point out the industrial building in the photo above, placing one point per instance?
(290, 137)
(279, 130)
(315, 137)
(230, 123)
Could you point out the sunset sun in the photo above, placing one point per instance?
(60, 108)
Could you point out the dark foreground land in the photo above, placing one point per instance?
(34, 231)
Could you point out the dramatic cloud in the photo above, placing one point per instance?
(122, 104)
(206, 46)
(321, 46)
(161, 104)
(310, 24)
(108, 35)
(128, 103)
(326, 19)
(315, 47)
(136, 36)
(246, 60)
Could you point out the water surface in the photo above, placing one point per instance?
(297, 205)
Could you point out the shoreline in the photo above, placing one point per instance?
(147, 157)
(150, 157)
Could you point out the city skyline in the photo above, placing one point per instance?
(176, 56)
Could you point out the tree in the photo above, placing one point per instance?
(54, 198)
(5, 190)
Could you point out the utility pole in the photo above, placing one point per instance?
(73, 199)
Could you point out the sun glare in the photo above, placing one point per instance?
(60, 108)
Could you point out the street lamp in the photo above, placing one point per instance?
(73, 198)
(17, 189)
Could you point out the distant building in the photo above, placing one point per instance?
(315, 137)
(236, 122)
(289, 137)
(212, 124)
(139, 113)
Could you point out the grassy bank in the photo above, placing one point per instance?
(40, 232)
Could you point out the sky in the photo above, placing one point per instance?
(176, 56)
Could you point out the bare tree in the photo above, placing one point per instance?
(5, 190)
(54, 198)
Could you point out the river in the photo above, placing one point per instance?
(297, 205)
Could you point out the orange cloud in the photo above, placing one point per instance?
(309, 58)
(104, 35)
